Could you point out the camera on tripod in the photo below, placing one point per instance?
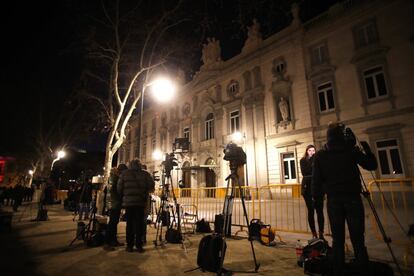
(349, 136)
(169, 163)
(234, 154)
(351, 139)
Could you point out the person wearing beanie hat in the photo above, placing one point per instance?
(115, 208)
(306, 163)
(134, 186)
(336, 174)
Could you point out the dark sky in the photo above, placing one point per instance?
(41, 61)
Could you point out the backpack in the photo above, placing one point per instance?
(210, 252)
(96, 239)
(173, 235)
(254, 229)
(315, 257)
(203, 226)
(267, 235)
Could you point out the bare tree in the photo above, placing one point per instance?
(124, 64)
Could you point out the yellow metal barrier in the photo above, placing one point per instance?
(393, 196)
(280, 205)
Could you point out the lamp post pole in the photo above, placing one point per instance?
(140, 122)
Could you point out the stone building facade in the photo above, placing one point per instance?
(353, 64)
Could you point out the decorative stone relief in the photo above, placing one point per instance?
(279, 68)
(186, 109)
(233, 89)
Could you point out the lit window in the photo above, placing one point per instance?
(375, 83)
(209, 126)
(234, 121)
(326, 97)
(289, 167)
(389, 158)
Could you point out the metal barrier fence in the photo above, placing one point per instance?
(394, 200)
(279, 205)
(282, 206)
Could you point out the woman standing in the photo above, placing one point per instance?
(306, 164)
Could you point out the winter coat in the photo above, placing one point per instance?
(115, 198)
(306, 168)
(335, 170)
(134, 186)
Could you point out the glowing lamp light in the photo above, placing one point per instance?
(163, 90)
(157, 155)
(237, 137)
(30, 172)
(61, 154)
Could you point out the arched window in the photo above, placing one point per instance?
(209, 127)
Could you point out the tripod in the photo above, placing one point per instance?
(163, 212)
(89, 229)
(234, 181)
(387, 240)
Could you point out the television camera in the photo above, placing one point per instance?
(235, 155)
(169, 163)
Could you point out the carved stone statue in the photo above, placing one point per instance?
(253, 32)
(254, 37)
(284, 109)
(211, 52)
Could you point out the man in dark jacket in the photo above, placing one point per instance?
(115, 208)
(134, 186)
(336, 174)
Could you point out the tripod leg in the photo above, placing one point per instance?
(257, 265)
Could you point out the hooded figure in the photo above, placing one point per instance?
(336, 174)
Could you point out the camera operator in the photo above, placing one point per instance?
(336, 174)
(134, 186)
(115, 208)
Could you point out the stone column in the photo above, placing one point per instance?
(248, 102)
(260, 141)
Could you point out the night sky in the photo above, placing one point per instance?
(42, 57)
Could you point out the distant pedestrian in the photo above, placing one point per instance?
(134, 186)
(306, 164)
(114, 208)
(85, 200)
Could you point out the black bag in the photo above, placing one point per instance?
(203, 226)
(254, 229)
(313, 253)
(210, 251)
(173, 236)
(165, 218)
(219, 224)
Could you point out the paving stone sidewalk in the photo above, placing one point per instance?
(37, 248)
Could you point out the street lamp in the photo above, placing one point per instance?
(60, 154)
(157, 155)
(163, 90)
